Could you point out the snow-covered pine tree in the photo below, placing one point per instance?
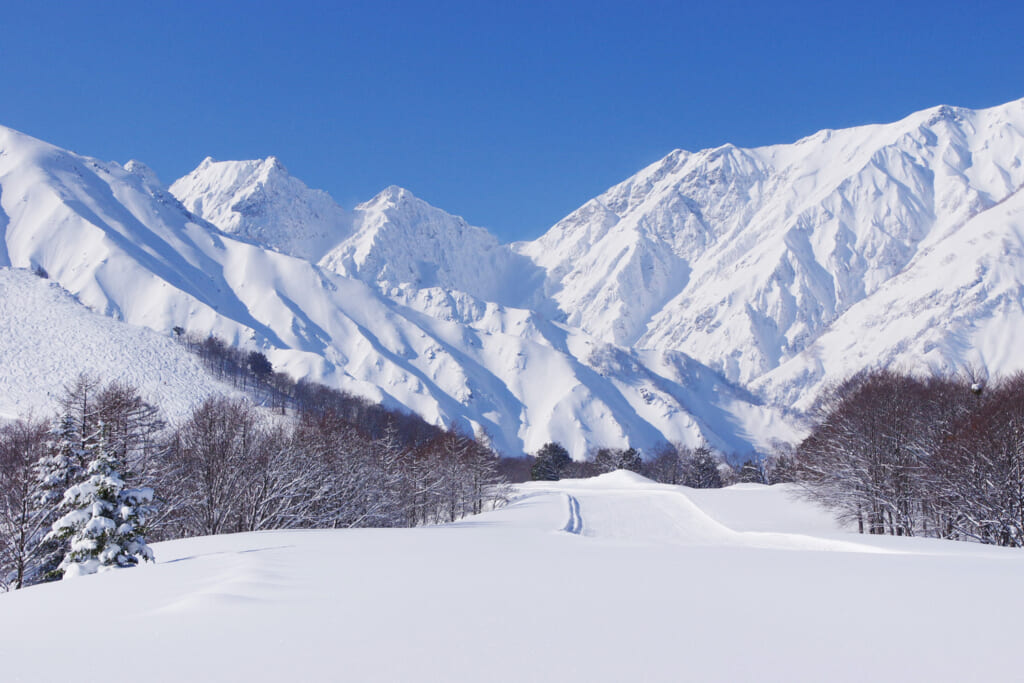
(63, 465)
(103, 524)
(552, 459)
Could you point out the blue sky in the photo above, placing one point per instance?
(510, 114)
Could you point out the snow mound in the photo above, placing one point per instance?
(613, 480)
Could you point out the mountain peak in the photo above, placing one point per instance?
(147, 174)
(272, 166)
(742, 258)
(392, 194)
(258, 199)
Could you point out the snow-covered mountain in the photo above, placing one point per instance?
(749, 260)
(745, 258)
(704, 296)
(393, 239)
(126, 248)
(402, 240)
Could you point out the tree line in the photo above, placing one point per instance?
(911, 456)
(700, 467)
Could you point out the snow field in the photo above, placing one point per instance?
(656, 587)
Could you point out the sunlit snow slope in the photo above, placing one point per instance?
(611, 579)
(126, 248)
(261, 201)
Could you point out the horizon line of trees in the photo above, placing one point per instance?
(891, 453)
(670, 463)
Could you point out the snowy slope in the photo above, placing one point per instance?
(957, 306)
(48, 338)
(612, 579)
(742, 258)
(128, 249)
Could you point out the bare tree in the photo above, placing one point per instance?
(25, 517)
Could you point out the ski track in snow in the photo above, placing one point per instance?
(575, 523)
(636, 510)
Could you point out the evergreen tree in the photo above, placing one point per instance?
(62, 466)
(552, 459)
(629, 459)
(611, 459)
(103, 524)
(702, 470)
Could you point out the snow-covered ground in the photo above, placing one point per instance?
(610, 579)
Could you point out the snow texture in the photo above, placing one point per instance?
(48, 338)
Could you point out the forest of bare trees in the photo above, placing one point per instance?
(909, 456)
(333, 461)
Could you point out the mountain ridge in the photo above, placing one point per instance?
(129, 250)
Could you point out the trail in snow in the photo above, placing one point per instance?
(575, 523)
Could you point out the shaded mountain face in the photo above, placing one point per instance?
(126, 248)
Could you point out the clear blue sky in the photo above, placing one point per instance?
(510, 114)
